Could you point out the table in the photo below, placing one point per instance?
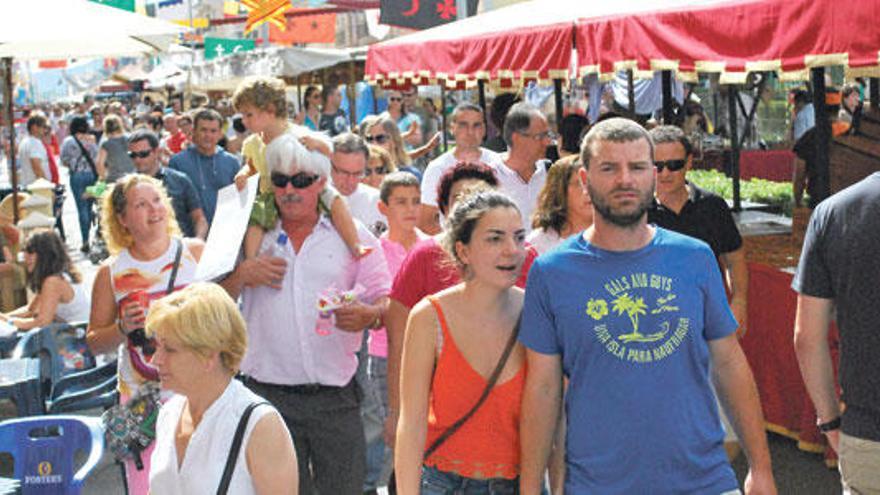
(20, 381)
(769, 348)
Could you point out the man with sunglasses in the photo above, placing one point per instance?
(143, 149)
(299, 358)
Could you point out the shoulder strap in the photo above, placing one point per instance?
(236, 447)
(441, 318)
(493, 379)
(88, 157)
(173, 277)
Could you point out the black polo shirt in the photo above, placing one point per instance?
(705, 215)
(184, 198)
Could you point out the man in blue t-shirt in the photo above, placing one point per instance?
(634, 315)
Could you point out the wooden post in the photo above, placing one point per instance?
(823, 137)
(874, 93)
(557, 96)
(734, 144)
(666, 80)
(443, 115)
(631, 93)
(10, 122)
(352, 95)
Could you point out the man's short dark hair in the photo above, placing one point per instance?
(348, 142)
(671, 134)
(207, 114)
(144, 135)
(79, 124)
(462, 171)
(572, 128)
(395, 180)
(328, 91)
(519, 118)
(37, 119)
(615, 130)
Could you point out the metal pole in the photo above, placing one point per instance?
(481, 86)
(557, 97)
(10, 116)
(461, 10)
(443, 115)
(192, 59)
(352, 95)
(874, 92)
(734, 144)
(823, 137)
(666, 80)
(631, 92)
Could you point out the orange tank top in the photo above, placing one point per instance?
(487, 445)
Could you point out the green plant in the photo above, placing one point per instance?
(777, 195)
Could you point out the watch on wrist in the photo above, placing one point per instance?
(832, 425)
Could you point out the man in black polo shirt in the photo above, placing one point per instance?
(143, 149)
(688, 209)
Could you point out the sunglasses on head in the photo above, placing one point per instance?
(139, 154)
(299, 180)
(378, 139)
(382, 170)
(672, 165)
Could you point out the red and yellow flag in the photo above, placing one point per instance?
(260, 11)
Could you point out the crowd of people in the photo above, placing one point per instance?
(402, 319)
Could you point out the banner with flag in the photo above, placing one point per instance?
(317, 28)
(421, 14)
(217, 47)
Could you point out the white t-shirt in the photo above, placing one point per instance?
(364, 205)
(543, 240)
(525, 195)
(31, 147)
(438, 166)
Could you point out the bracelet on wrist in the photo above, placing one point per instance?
(829, 426)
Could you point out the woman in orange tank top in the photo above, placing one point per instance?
(454, 340)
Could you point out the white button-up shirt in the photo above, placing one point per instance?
(524, 194)
(288, 344)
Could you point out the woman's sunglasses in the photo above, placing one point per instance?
(299, 180)
(672, 165)
(378, 171)
(378, 138)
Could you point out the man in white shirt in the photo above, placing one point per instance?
(468, 129)
(524, 171)
(349, 160)
(301, 359)
(32, 160)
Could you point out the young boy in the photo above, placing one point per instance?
(400, 199)
(263, 106)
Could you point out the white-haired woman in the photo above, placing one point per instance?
(200, 341)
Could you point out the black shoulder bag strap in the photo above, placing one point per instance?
(173, 277)
(87, 156)
(236, 448)
(493, 379)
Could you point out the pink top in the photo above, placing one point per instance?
(395, 253)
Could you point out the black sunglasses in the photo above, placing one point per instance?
(378, 139)
(299, 180)
(672, 165)
(382, 170)
(394, 98)
(139, 154)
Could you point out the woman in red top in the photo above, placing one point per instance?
(454, 340)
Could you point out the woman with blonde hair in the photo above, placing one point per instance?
(382, 131)
(564, 206)
(378, 166)
(113, 160)
(200, 341)
(149, 260)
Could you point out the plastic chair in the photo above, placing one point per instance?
(43, 450)
(90, 389)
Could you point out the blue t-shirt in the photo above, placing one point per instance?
(208, 174)
(632, 330)
(184, 198)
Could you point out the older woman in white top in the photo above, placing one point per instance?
(201, 339)
(564, 207)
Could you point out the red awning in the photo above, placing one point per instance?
(734, 38)
(530, 40)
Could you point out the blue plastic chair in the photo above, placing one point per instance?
(44, 448)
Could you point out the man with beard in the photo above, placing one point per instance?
(299, 358)
(634, 315)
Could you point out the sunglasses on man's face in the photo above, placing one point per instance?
(139, 154)
(381, 170)
(378, 138)
(671, 165)
(299, 180)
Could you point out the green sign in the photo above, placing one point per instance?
(218, 47)
(119, 4)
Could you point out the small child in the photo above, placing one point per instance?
(263, 105)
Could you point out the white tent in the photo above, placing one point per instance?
(55, 29)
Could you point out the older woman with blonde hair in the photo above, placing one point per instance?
(564, 206)
(149, 260)
(379, 165)
(382, 131)
(200, 341)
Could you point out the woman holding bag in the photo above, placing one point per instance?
(149, 260)
(462, 371)
(78, 154)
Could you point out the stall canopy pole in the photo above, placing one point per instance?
(352, 95)
(10, 122)
(734, 144)
(557, 96)
(874, 92)
(481, 86)
(631, 92)
(443, 115)
(823, 136)
(668, 113)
